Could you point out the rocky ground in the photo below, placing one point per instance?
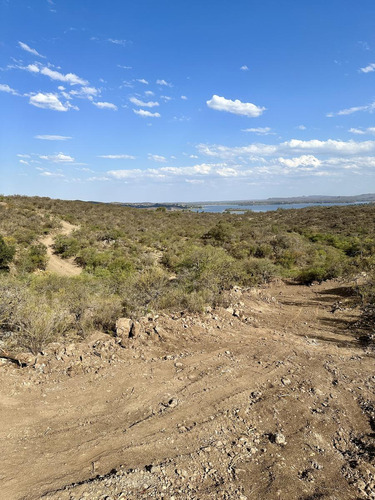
(272, 398)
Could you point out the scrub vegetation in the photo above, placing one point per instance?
(136, 261)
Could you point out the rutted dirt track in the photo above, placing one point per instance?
(274, 399)
(63, 267)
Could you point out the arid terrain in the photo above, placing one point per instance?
(271, 398)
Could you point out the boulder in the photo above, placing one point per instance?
(124, 329)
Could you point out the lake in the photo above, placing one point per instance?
(239, 209)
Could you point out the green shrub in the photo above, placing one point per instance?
(6, 253)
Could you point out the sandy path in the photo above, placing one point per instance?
(63, 267)
(188, 398)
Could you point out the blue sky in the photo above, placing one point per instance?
(149, 100)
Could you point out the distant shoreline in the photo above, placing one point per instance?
(313, 200)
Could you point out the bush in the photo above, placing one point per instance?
(6, 253)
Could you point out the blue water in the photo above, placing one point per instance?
(263, 208)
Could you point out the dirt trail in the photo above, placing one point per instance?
(63, 267)
(271, 400)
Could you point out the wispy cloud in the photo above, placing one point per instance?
(148, 114)
(105, 105)
(244, 68)
(27, 48)
(118, 42)
(85, 93)
(5, 88)
(57, 158)
(368, 69)
(117, 157)
(362, 131)
(164, 83)
(48, 101)
(354, 109)
(142, 80)
(158, 158)
(124, 67)
(138, 102)
(260, 130)
(52, 137)
(70, 78)
(46, 173)
(313, 147)
(236, 107)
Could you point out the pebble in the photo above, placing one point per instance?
(280, 439)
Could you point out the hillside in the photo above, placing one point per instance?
(242, 366)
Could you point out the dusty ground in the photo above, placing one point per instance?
(63, 267)
(272, 400)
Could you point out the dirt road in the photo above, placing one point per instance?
(272, 399)
(63, 267)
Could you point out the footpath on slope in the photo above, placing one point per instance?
(62, 267)
(272, 399)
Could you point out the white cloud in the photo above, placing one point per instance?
(33, 68)
(149, 92)
(301, 127)
(165, 98)
(48, 101)
(124, 67)
(24, 46)
(244, 68)
(330, 146)
(354, 109)
(142, 80)
(138, 102)
(184, 98)
(164, 83)
(105, 105)
(52, 137)
(57, 158)
(5, 88)
(23, 156)
(360, 131)
(368, 69)
(24, 162)
(236, 107)
(158, 158)
(357, 131)
(117, 157)
(142, 112)
(46, 173)
(257, 151)
(68, 78)
(85, 92)
(227, 172)
(303, 166)
(260, 130)
(124, 174)
(118, 42)
(301, 161)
